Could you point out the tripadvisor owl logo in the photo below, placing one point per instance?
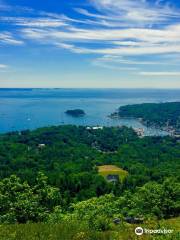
(139, 231)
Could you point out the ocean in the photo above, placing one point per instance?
(32, 108)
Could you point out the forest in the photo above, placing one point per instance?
(163, 115)
(50, 176)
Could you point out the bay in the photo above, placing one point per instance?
(32, 108)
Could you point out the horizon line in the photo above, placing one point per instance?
(75, 88)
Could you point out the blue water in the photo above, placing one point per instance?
(31, 108)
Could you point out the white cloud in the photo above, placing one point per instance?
(7, 38)
(138, 11)
(119, 29)
(113, 67)
(115, 59)
(4, 7)
(69, 47)
(34, 22)
(163, 74)
(3, 66)
(143, 41)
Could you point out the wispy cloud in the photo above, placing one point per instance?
(8, 38)
(143, 41)
(34, 22)
(158, 74)
(113, 66)
(114, 31)
(3, 66)
(137, 11)
(4, 7)
(115, 59)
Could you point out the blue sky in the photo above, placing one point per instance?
(90, 43)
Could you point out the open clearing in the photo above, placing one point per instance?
(106, 170)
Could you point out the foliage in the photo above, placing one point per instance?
(75, 112)
(51, 175)
(152, 200)
(97, 212)
(20, 203)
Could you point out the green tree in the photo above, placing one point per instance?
(19, 202)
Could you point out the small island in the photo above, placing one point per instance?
(76, 113)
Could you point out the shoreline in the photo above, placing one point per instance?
(144, 123)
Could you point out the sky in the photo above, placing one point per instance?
(90, 43)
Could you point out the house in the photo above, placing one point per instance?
(41, 145)
(112, 178)
(98, 127)
(177, 134)
(94, 128)
(139, 131)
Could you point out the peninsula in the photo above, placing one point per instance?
(161, 115)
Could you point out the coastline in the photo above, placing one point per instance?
(170, 130)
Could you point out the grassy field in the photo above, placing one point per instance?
(78, 231)
(106, 170)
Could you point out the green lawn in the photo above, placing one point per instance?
(106, 170)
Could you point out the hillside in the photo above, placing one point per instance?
(50, 176)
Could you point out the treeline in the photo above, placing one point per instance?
(156, 114)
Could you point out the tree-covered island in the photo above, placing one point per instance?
(76, 113)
